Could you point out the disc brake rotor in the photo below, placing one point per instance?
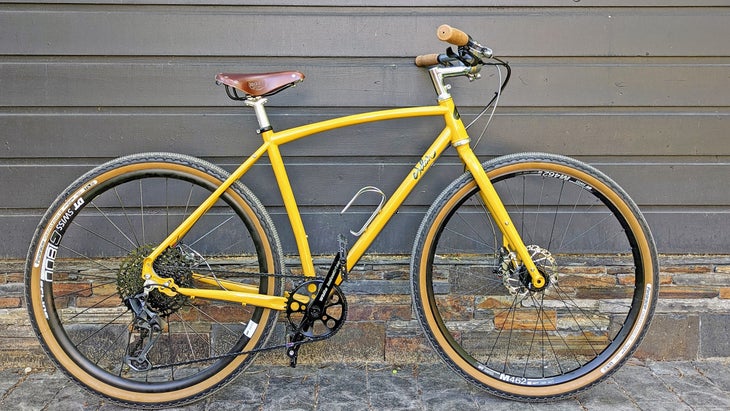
(517, 280)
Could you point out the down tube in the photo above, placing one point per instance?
(398, 197)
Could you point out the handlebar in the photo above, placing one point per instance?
(451, 35)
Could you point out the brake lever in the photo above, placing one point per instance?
(463, 55)
(468, 59)
(466, 56)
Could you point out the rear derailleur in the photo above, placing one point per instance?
(149, 326)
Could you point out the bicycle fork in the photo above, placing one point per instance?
(512, 239)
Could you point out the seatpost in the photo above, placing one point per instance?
(258, 108)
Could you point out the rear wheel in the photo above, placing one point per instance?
(478, 307)
(83, 280)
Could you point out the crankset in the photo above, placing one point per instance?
(316, 309)
(311, 319)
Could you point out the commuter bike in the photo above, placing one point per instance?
(156, 278)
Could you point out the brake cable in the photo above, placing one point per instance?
(494, 102)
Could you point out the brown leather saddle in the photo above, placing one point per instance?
(257, 85)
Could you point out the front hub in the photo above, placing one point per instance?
(518, 281)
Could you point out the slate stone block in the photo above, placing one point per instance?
(671, 337)
(714, 338)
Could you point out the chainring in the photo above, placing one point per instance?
(312, 320)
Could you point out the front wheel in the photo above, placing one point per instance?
(478, 307)
(87, 300)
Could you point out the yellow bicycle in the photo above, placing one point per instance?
(156, 278)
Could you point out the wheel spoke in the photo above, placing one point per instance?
(490, 321)
(131, 341)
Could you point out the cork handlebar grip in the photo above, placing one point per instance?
(451, 35)
(427, 60)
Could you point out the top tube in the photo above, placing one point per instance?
(295, 133)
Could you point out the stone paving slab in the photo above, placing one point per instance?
(686, 385)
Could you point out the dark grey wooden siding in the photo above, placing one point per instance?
(641, 92)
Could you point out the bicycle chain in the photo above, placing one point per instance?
(286, 345)
(236, 354)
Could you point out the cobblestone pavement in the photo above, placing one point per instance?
(695, 385)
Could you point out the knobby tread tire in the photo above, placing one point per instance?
(452, 343)
(45, 331)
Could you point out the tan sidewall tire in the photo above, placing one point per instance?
(441, 343)
(56, 352)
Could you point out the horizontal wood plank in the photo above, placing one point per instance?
(109, 132)
(333, 185)
(402, 3)
(367, 83)
(360, 31)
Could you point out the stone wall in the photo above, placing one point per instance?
(690, 323)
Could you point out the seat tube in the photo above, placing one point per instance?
(290, 204)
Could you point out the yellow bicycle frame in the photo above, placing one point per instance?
(454, 133)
